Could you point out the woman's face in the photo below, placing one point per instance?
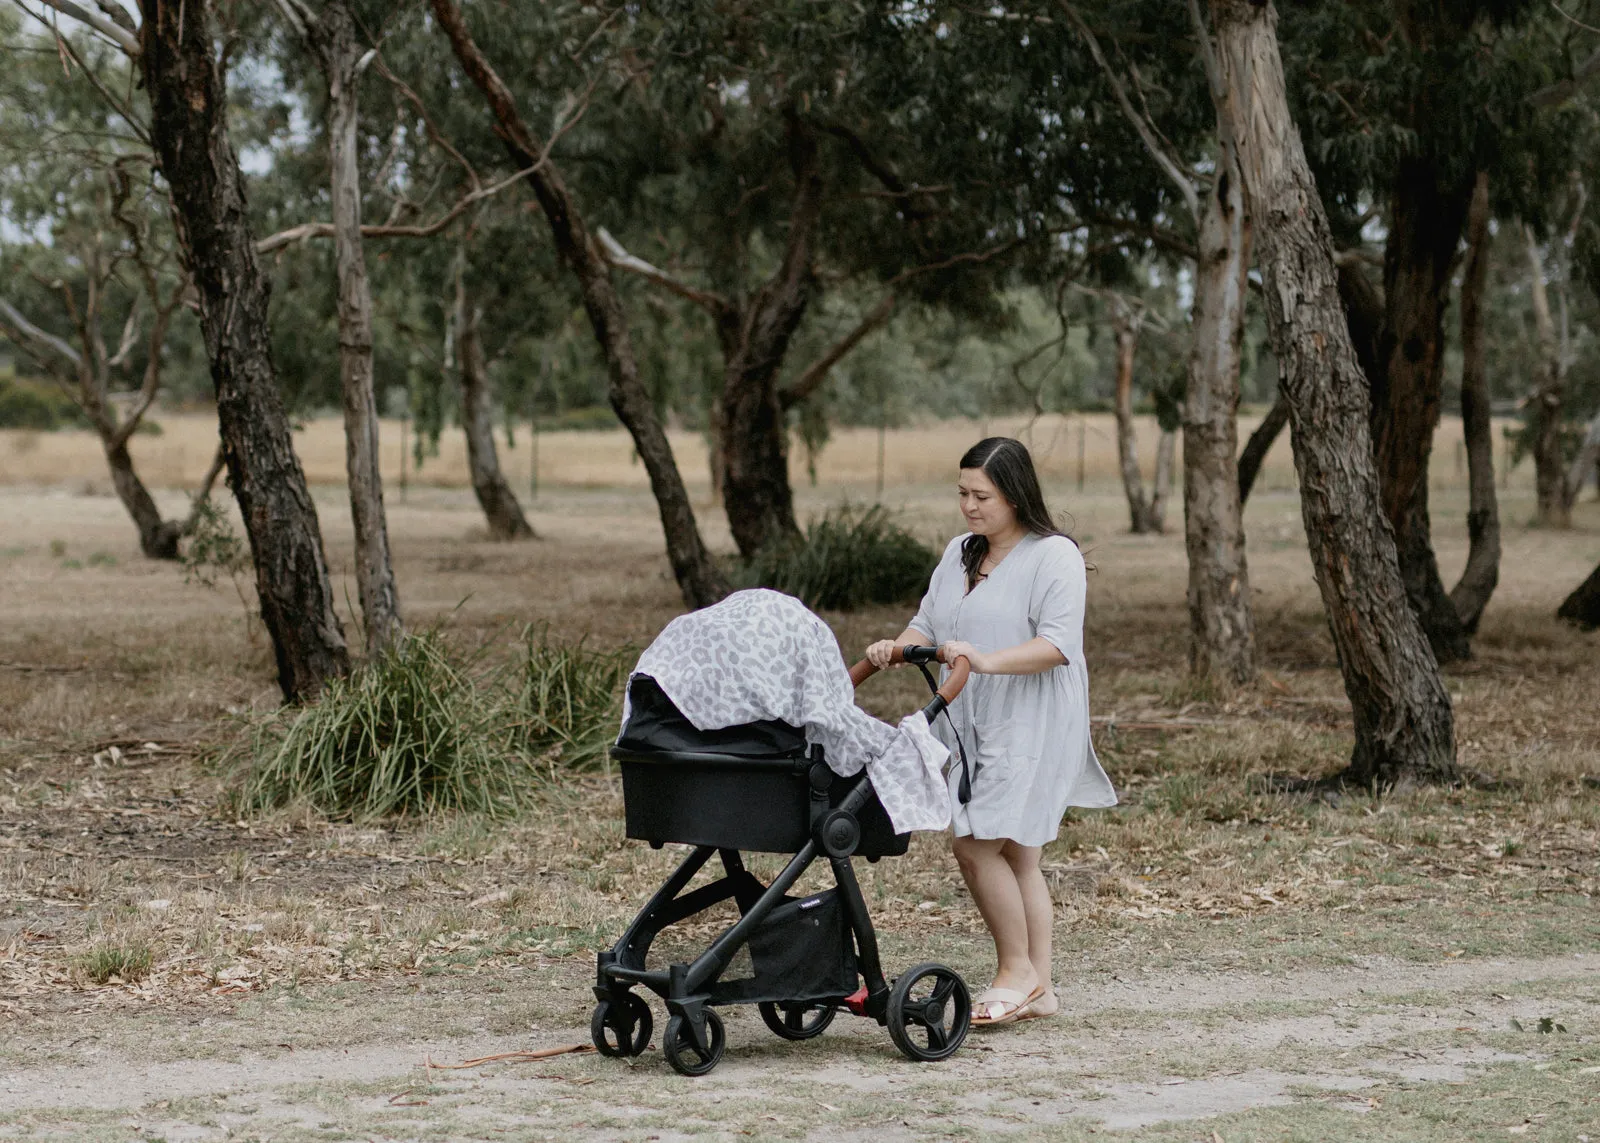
(987, 512)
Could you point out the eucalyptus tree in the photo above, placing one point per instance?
(181, 71)
(1403, 721)
(329, 33)
(769, 153)
(699, 579)
(1403, 106)
(93, 260)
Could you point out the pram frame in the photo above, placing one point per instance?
(835, 834)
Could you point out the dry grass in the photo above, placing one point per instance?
(125, 653)
(179, 457)
(117, 680)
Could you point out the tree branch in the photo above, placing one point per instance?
(123, 37)
(25, 330)
(1559, 92)
(817, 372)
(1184, 182)
(617, 256)
(385, 230)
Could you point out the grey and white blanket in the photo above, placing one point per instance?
(763, 655)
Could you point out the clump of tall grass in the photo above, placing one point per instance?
(409, 732)
(568, 703)
(422, 730)
(851, 557)
(129, 962)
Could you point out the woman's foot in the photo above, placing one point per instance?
(1045, 1004)
(995, 1006)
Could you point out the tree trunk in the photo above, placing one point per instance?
(1161, 485)
(699, 578)
(499, 503)
(158, 538)
(1425, 225)
(1471, 593)
(1222, 641)
(1403, 726)
(1125, 335)
(1545, 407)
(1583, 605)
(755, 338)
(188, 127)
(1258, 446)
(1582, 465)
(333, 42)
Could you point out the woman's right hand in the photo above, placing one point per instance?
(878, 653)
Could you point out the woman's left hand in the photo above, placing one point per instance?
(959, 649)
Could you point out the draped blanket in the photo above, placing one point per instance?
(762, 655)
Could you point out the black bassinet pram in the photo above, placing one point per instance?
(759, 787)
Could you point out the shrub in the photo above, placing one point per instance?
(31, 405)
(850, 558)
(569, 702)
(408, 732)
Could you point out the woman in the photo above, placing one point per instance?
(1009, 596)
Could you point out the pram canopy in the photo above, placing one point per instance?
(758, 675)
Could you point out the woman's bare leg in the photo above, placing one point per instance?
(999, 898)
(1037, 907)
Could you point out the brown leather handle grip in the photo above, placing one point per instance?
(959, 672)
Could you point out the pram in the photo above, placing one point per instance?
(759, 787)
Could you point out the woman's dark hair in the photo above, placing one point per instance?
(1005, 461)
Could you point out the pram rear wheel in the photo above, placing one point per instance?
(621, 1030)
(797, 1020)
(930, 1012)
(679, 1047)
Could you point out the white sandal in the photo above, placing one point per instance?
(996, 1006)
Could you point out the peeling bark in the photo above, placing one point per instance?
(1472, 592)
(1146, 511)
(189, 129)
(1221, 627)
(1403, 724)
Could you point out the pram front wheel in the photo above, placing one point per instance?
(930, 1012)
(797, 1021)
(684, 1054)
(621, 1030)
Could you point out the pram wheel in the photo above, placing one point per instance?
(797, 1021)
(930, 1012)
(679, 1047)
(621, 1030)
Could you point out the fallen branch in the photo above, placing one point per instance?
(510, 1057)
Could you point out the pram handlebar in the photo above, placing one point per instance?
(947, 691)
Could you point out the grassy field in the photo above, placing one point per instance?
(1235, 963)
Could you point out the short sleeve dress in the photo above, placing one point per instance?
(1028, 734)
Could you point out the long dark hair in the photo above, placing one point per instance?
(1005, 461)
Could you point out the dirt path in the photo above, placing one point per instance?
(1134, 1050)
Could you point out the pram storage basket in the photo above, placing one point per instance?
(745, 787)
(801, 952)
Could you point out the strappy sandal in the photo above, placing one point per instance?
(996, 1006)
(1032, 1010)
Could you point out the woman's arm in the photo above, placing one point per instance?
(1034, 657)
(879, 652)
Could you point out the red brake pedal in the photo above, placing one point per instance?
(857, 1002)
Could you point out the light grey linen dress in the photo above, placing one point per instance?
(1029, 734)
